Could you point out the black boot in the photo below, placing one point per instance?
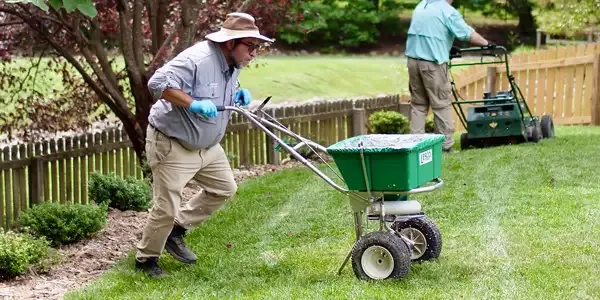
(150, 267)
(176, 246)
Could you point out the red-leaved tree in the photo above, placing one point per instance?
(85, 40)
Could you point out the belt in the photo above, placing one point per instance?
(416, 58)
(156, 129)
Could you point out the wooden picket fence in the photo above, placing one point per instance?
(562, 82)
(58, 170)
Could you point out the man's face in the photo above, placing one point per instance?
(243, 51)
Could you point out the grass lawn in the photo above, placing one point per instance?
(518, 222)
(291, 78)
(299, 78)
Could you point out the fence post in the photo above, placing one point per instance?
(404, 108)
(359, 121)
(272, 154)
(491, 81)
(35, 181)
(596, 92)
(538, 39)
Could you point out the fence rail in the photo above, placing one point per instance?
(562, 82)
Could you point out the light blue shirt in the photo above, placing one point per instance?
(202, 72)
(433, 27)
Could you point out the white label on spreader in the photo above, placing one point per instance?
(425, 157)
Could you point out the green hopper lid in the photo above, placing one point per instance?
(377, 143)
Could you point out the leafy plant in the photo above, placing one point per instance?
(388, 122)
(305, 151)
(126, 193)
(63, 223)
(348, 24)
(19, 252)
(429, 124)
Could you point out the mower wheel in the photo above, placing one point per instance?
(534, 134)
(380, 255)
(547, 126)
(464, 141)
(425, 237)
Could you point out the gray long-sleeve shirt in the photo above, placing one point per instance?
(201, 71)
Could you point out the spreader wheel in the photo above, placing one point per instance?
(380, 255)
(424, 235)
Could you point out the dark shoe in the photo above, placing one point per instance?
(176, 246)
(150, 267)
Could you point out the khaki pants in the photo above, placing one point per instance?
(173, 166)
(430, 87)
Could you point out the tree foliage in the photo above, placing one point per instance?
(568, 16)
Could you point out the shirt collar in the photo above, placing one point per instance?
(222, 61)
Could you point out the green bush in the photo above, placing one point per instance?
(429, 124)
(19, 253)
(63, 223)
(123, 194)
(348, 24)
(305, 151)
(388, 122)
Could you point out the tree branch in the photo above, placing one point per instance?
(161, 20)
(102, 55)
(37, 67)
(138, 35)
(152, 9)
(245, 5)
(161, 55)
(126, 46)
(11, 23)
(189, 11)
(62, 51)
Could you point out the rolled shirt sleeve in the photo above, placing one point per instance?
(459, 28)
(177, 74)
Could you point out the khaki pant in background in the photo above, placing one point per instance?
(173, 166)
(430, 87)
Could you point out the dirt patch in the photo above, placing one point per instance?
(86, 260)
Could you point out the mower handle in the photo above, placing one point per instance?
(491, 51)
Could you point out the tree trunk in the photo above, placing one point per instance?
(527, 26)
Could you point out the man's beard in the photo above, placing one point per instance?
(234, 61)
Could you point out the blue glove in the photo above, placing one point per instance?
(242, 97)
(204, 107)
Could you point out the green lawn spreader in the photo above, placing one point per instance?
(380, 172)
(500, 118)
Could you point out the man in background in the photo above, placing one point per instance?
(433, 27)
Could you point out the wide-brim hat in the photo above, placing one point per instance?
(237, 26)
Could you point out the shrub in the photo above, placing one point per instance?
(388, 122)
(63, 223)
(305, 151)
(429, 125)
(327, 23)
(123, 194)
(19, 253)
